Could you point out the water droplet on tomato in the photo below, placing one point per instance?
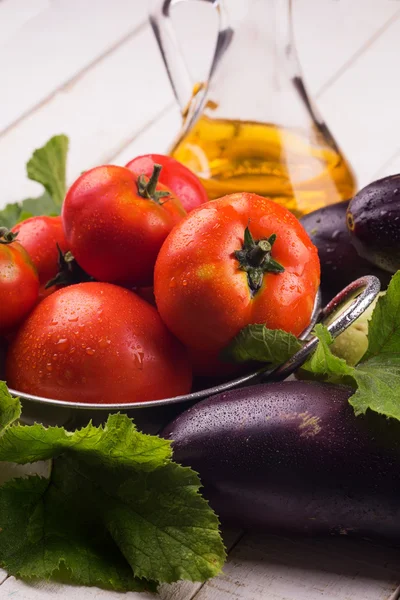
(184, 282)
(138, 357)
(62, 344)
(104, 342)
(90, 351)
(73, 319)
(172, 282)
(49, 367)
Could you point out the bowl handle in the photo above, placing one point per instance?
(363, 292)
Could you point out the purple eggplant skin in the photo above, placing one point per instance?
(340, 261)
(373, 219)
(293, 457)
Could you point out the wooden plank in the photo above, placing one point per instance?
(389, 167)
(362, 107)
(39, 590)
(15, 13)
(56, 45)
(3, 576)
(294, 569)
(156, 137)
(330, 34)
(101, 113)
(104, 109)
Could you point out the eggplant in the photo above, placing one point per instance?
(340, 261)
(293, 457)
(373, 218)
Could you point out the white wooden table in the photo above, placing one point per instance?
(84, 68)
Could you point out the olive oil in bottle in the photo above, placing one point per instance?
(301, 171)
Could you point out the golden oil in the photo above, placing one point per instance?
(301, 172)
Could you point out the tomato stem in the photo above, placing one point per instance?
(69, 272)
(148, 189)
(255, 258)
(256, 255)
(7, 236)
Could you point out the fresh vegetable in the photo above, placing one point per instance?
(340, 261)
(179, 179)
(40, 237)
(376, 378)
(260, 344)
(96, 342)
(19, 282)
(147, 293)
(237, 260)
(48, 167)
(352, 344)
(114, 510)
(373, 218)
(115, 223)
(293, 456)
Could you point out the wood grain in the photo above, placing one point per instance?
(15, 13)
(363, 106)
(280, 568)
(50, 49)
(105, 107)
(101, 112)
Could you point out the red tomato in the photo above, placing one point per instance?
(115, 224)
(40, 236)
(212, 279)
(19, 283)
(147, 293)
(97, 342)
(179, 179)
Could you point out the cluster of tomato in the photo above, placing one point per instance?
(170, 279)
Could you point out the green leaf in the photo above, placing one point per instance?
(117, 443)
(384, 326)
(159, 521)
(41, 535)
(10, 408)
(48, 167)
(323, 362)
(377, 376)
(378, 381)
(9, 216)
(14, 213)
(378, 373)
(116, 511)
(257, 343)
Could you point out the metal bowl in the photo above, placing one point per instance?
(362, 291)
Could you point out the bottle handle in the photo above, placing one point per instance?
(189, 96)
